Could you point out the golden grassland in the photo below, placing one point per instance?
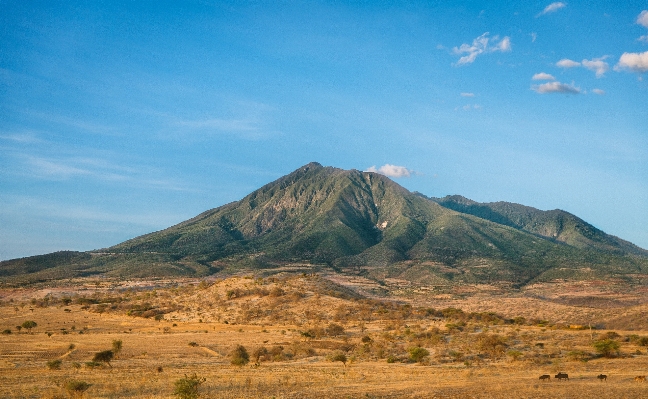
(302, 322)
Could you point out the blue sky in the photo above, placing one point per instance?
(118, 118)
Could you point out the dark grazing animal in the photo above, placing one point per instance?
(545, 377)
(602, 377)
(640, 378)
(562, 376)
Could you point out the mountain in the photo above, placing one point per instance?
(359, 223)
(556, 225)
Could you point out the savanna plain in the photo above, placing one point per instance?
(311, 335)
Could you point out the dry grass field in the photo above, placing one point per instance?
(293, 328)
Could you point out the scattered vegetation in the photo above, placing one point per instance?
(239, 356)
(188, 387)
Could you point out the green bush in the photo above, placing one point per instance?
(54, 364)
(187, 388)
(28, 325)
(339, 357)
(418, 354)
(239, 356)
(103, 357)
(116, 346)
(607, 347)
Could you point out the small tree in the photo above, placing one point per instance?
(418, 354)
(239, 356)
(334, 330)
(104, 357)
(339, 357)
(29, 324)
(76, 389)
(607, 347)
(116, 346)
(187, 388)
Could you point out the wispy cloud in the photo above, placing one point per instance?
(61, 169)
(597, 65)
(481, 45)
(27, 207)
(469, 107)
(467, 94)
(21, 138)
(598, 91)
(643, 38)
(642, 19)
(556, 87)
(391, 171)
(232, 125)
(553, 7)
(567, 63)
(543, 76)
(635, 62)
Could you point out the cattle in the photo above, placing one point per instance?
(561, 376)
(545, 377)
(640, 378)
(602, 377)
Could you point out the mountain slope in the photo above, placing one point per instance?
(557, 225)
(358, 222)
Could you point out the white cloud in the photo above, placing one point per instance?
(567, 63)
(598, 91)
(556, 87)
(642, 19)
(505, 44)
(543, 76)
(534, 36)
(467, 94)
(391, 171)
(597, 65)
(553, 7)
(635, 62)
(481, 45)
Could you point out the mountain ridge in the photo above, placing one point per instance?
(360, 223)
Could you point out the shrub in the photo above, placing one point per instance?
(187, 388)
(418, 354)
(92, 365)
(492, 344)
(29, 324)
(104, 357)
(239, 356)
(192, 343)
(334, 330)
(116, 346)
(76, 388)
(54, 364)
(607, 347)
(514, 354)
(339, 357)
(366, 339)
(259, 353)
(6, 332)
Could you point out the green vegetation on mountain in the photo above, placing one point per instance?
(359, 222)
